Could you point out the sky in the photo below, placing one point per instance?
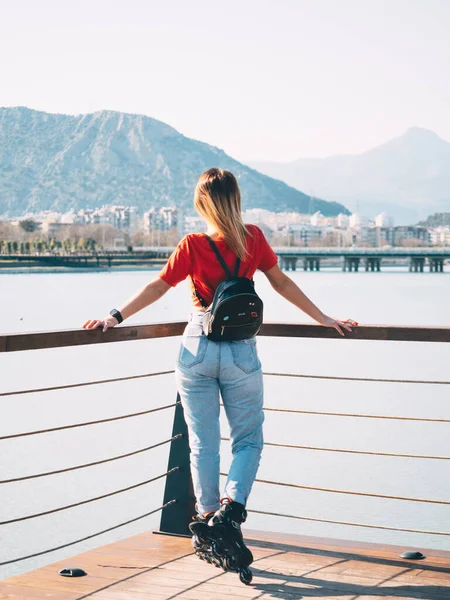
(261, 79)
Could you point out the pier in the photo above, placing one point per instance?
(352, 259)
(288, 567)
(290, 258)
(84, 260)
(160, 564)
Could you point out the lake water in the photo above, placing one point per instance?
(42, 302)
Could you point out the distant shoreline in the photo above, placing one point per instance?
(41, 270)
(67, 270)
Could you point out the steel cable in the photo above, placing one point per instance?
(348, 451)
(84, 384)
(88, 537)
(369, 379)
(356, 415)
(98, 462)
(108, 420)
(89, 500)
(273, 514)
(351, 493)
(353, 415)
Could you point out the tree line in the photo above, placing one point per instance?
(27, 237)
(52, 245)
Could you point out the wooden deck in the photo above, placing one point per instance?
(158, 567)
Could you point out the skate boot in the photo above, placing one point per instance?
(201, 539)
(227, 544)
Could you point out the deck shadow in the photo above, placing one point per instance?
(340, 554)
(288, 591)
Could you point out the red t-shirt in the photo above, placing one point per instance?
(195, 258)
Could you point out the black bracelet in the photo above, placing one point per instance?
(116, 314)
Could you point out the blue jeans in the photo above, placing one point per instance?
(205, 368)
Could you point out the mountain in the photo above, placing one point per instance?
(61, 162)
(407, 177)
(437, 220)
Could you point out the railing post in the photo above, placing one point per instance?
(176, 517)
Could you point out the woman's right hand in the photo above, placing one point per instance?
(338, 324)
(105, 323)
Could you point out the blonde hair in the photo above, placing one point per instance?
(217, 198)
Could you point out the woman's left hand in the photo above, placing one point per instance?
(337, 324)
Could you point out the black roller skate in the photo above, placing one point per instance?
(218, 540)
(201, 540)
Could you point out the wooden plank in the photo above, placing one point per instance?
(362, 332)
(80, 337)
(77, 337)
(437, 592)
(378, 571)
(39, 580)
(116, 594)
(305, 543)
(107, 572)
(158, 567)
(201, 592)
(16, 592)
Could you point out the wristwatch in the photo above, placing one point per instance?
(115, 313)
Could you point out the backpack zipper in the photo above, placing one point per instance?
(215, 307)
(243, 325)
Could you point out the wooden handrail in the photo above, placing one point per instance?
(393, 333)
(79, 337)
(14, 342)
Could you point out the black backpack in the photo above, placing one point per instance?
(236, 312)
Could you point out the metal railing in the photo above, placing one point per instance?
(178, 503)
(171, 471)
(394, 252)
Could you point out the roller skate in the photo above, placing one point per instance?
(201, 539)
(218, 539)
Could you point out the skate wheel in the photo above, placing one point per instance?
(230, 563)
(217, 562)
(245, 575)
(215, 550)
(197, 542)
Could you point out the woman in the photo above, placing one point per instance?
(207, 368)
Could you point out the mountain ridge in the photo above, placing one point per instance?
(51, 161)
(408, 176)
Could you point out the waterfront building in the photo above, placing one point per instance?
(163, 219)
(285, 228)
(151, 220)
(440, 236)
(169, 218)
(124, 217)
(194, 224)
(342, 221)
(54, 228)
(317, 219)
(384, 220)
(298, 234)
(257, 216)
(354, 221)
(407, 233)
(375, 237)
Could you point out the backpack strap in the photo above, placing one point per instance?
(225, 268)
(238, 264)
(197, 295)
(222, 262)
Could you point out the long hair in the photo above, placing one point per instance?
(217, 198)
